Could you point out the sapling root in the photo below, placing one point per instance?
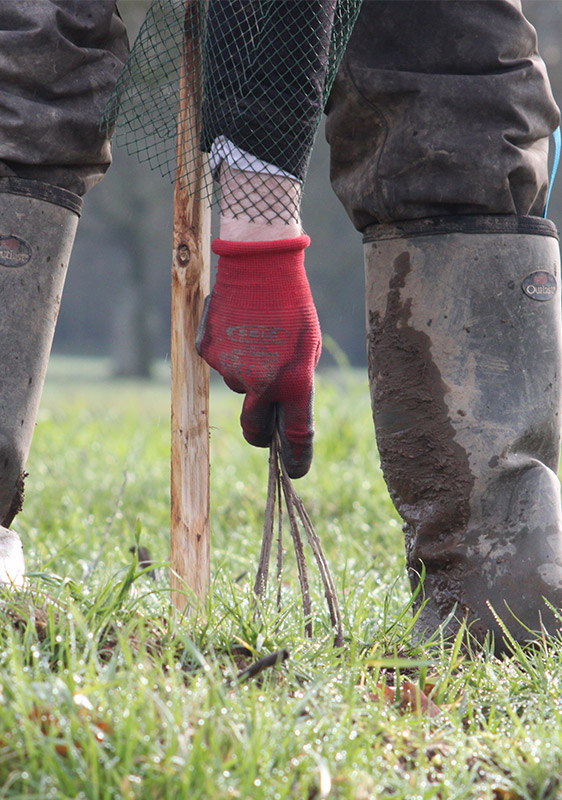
(280, 486)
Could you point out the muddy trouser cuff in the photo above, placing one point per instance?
(464, 351)
(37, 228)
(469, 224)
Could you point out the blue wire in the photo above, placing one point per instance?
(557, 148)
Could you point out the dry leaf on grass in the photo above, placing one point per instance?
(411, 698)
(506, 794)
(51, 725)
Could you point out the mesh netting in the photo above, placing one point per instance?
(244, 81)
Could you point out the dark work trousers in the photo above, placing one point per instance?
(59, 60)
(440, 107)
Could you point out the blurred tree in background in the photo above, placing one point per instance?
(117, 298)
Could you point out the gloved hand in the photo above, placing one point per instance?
(260, 331)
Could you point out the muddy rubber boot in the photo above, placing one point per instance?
(37, 227)
(464, 346)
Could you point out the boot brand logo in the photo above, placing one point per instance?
(14, 252)
(539, 286)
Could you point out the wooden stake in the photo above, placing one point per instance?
(190, 523)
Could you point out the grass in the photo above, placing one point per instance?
(105, 694)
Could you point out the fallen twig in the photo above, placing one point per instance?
(144, 559)
(258, 666)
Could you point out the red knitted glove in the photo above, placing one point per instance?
(260, 331)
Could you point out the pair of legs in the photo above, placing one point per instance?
(438, 124)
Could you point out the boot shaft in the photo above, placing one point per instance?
(37, 228)
(464, 343)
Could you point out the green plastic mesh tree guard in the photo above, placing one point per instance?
(248, 79)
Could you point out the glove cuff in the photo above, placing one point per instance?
(263, 274)
(259, 250)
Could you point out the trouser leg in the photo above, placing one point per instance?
(440, 107)
(59, 61)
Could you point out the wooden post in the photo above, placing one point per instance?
(190, 522)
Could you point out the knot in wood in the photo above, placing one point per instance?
(183, 255)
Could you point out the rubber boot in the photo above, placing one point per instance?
(37, 227)
(464, 347)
